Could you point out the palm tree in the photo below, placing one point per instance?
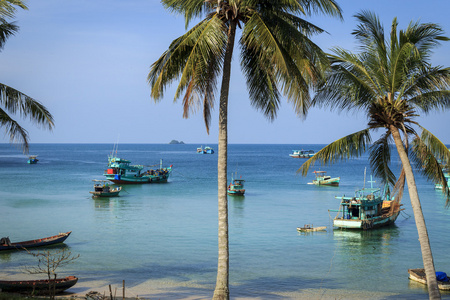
(391, 80)
(277, 57)
(12, 100)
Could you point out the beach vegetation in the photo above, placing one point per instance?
(12, 101)
(48, 262)
(277, 58)
(392, 81)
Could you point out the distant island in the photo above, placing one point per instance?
(176, 142)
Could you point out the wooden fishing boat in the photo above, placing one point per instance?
(103, 189)
(5, 243)
(419, 276)
(368, 208)
(236, 187)
(308, 228)
(32, 159)
(302, 153)
(323, 179)
(121, 171)
(38, 287)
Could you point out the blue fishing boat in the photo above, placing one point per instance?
(206, 150)
(121, 171)
(32, 159)
(236, 187)
(302, 153)
(368, 208)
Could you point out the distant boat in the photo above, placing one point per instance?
(32, 159)
(103, 189)
(308, 228)
(206, 150)
(236, 187)
(302, 153)
(323, 179)
(419, 276)
(367, 209)
(121, 171)
(38, 287)
(5, 243)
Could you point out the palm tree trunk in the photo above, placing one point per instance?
(427, 256)
(222, 285)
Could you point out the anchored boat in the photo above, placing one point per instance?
(103, 189)
(5, 243)
(309, 228)
(302, 153)
(32, 159)
(323, 179)
(206, 150)
(368, 208)
(236, 187)
(121, 171)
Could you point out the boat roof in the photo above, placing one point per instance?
(321, 172)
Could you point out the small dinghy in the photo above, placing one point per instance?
(419, 276)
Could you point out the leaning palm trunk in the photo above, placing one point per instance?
(427, 257)
(221, 291)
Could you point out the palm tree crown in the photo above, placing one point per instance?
(13, 101)
(277, 57)
(391, 80)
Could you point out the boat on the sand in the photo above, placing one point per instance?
(5, 243)
(419, 276)
(38, 287)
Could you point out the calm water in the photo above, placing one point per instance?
(167, 233)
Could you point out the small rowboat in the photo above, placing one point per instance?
(308, 228)
(38, 287)
(5, 243)
(419, 276)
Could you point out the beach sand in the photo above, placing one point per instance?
(191, 291)
(166, 289)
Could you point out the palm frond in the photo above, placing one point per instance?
(353, 145)
(188, 54)
(8, 7)
(16, 133)
(380, 157)
(191, 9)
(424, 149)
(6, 30)
(349, 84)
(15, 101)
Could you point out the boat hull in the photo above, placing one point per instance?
(137, 180)
(236, 192)
(418, 275)
(309, 229)
(38, 287)
(56, 239)
(332, 182)
(366, 224)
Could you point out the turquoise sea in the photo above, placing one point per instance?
(162, 238)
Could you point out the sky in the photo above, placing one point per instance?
(87, 61)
